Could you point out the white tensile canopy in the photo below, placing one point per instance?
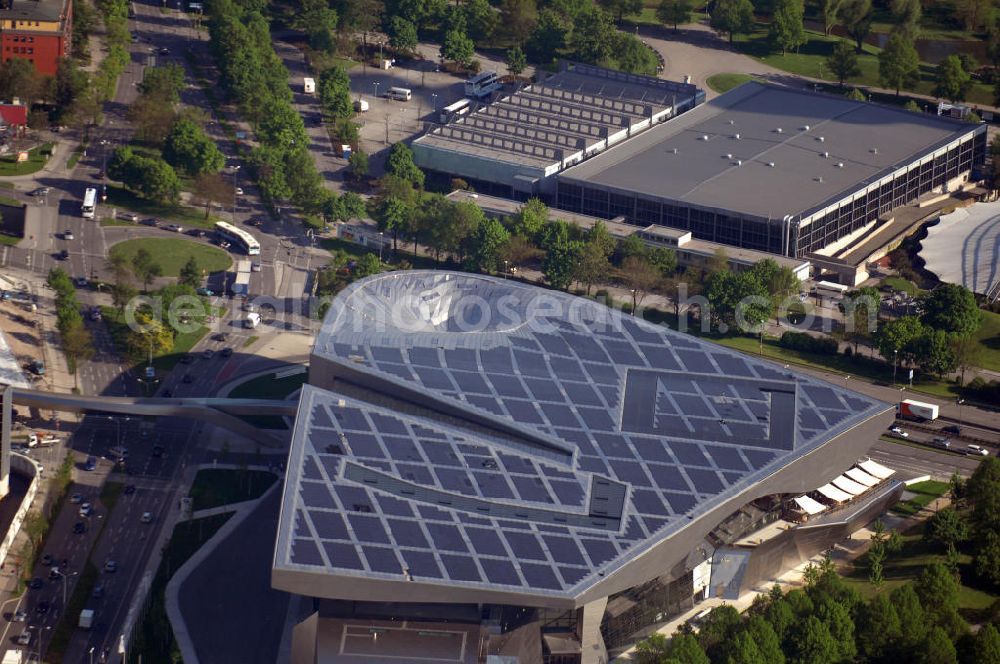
(876, 469)
(810, 506)
(834, 494)
(861, 477)
(849, 485)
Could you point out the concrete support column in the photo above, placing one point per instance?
(6, 416)
(592, 647)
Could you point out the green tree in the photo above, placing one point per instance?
(951, 81)
(516, 60)
(718, 628)
(480, 18)
(368, 265)
(856, 16)
(400, 163)
(518, 18)
(733, 17)
(190, 274)
(633, 56)
(934, 352)
(973, 13)
(592, 266)
(458, 48)
(986, 645)
(986, 559)
(843, 62)
(878, 628)
(334, 89)
(937, 648)
(593, 37)
(561, 255)
(640, 277)
(830, 11)
(906, 15)
(786, 30)
(402, 35)
(163, 83)
(898, 63)
(153, 179)
(621, 8)
(145, 267)
(938, 591)
(895, 339)
(488, 243)
(189, 149)
(674, 12)
(149, 336)
(810, 642)
(951, 308)
(838, 621)
(393, 215)
(549, 36)
(768, 643)
(530, 219)
(358, 163)
(946, 527)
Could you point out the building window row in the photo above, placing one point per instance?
(24, 50)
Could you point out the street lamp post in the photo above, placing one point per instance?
(375, 83)
(895, 354)
(91, 653)
(505, 269)
(236, 174)
(381, 241)
(960, 402)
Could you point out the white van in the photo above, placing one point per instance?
(399, 94)
(309, 86)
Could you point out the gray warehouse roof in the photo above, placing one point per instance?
(618, 433)
(695, 158)
(554, 118)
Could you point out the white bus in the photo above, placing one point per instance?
(399, 94)
(830, 289)
(89, 203)
(482, 84)
(238, 237)
(460, 107)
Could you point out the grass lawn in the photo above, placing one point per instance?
(12, 202)
(988, 336)
(154, 640)
(36, 159)
(186, 216)
(9, 240)
(173, 253)
(216, 487)
(926, 493)
(810, 61)
(906, 566)
(268, 387)
(901, 284)
(727, 81)
(74, 158)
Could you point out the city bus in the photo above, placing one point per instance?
(89, 204)
(238, 238)
(460, 107)
(399, 94)
(482, 84)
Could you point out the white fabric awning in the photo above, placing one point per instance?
(849, 485)
(876, 469)
(810, 506)
(834, 494)
(861, 477)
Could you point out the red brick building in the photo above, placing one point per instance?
(39, 31)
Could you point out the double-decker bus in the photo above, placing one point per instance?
(238, 238)
(89, 204)
(482, 84)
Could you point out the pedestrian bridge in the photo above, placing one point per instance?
(220, 412)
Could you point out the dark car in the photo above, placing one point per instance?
(36, 583)
(226, 352)
(164, 50)
(79, 528)
(42, 608)
(149, 221)
(220, 336)
(129, 489)
(48, 560)
(63, 255)
(157, 450)
(952, 428)
(188, 379)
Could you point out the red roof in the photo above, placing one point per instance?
(14, 115)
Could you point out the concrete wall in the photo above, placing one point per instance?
(21, 464)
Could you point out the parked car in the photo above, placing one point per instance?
(77, 498)
(226, 352)
(129, 216)
(24, 638)
(41, 191)
(255, 267)
(157, 450)
(98, 591)
(147, 517)
(63, 255)
(188, 358)
(239, 191)
(129, 489)
(81, 282)
(150, 221)
(175, 228)
(42, 608)
(943, 443)
(47, 560)
(20, 616)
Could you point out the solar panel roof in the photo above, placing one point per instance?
(607, 451)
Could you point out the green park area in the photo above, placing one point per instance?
(37, 158)
(727, 81)
(214, 487)
(924, 493)
(172, 253)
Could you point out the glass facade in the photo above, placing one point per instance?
(729, 227)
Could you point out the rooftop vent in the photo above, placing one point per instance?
(819, 179)
(704, 137)
(729, 155)
(825, 155)
(840, 164)
(736, 136)
(779, 130)
(674, 150)
(771, 164)
(732, 122)
(874, 150)
(805, 127)
(821, 138)
(739, 162)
